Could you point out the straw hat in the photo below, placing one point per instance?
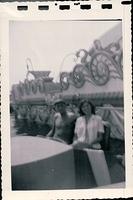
(59, 101)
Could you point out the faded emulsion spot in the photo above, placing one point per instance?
(85, 7)
(126, 2)
(106, 6)
(21, 8)
(64, 7)
(42, 7)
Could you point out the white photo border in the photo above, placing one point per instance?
(9, 12)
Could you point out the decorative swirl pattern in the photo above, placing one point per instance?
(99, 65)
(115, 52)
(83, 54)
(99, 68)
(78, 76)
(64, 80)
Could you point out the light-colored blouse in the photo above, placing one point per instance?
(87, 132)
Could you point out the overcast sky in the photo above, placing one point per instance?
(46, 43)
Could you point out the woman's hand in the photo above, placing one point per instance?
(81, 145)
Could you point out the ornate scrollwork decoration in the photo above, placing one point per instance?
(82, 53)
(99, 68)
(78, 76)
(98, 45)
(115, 51)
(64, 80)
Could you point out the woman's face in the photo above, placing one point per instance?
(86, 108)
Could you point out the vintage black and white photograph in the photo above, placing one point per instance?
(66, 104)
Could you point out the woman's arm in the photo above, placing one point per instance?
(98, 139)
(100, 131)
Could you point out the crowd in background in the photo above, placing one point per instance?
(36, 119)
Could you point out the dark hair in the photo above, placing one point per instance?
(91, 105)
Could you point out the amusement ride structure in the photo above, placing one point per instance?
(97, 74)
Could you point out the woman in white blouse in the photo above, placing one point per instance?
(88, 134)
(89, 127)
